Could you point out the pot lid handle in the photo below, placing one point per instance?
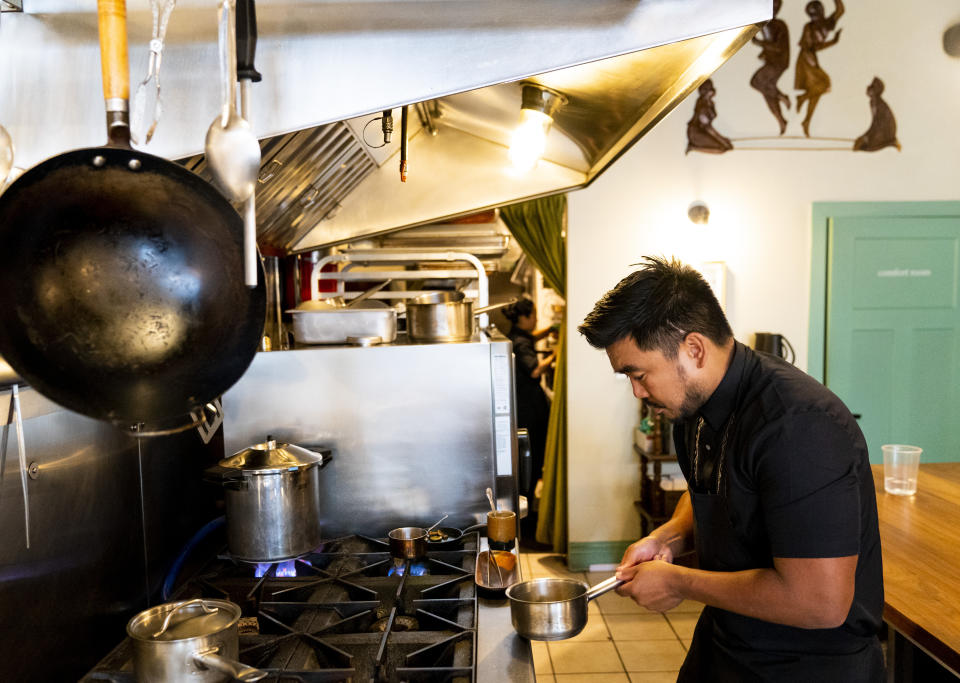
(207, 609)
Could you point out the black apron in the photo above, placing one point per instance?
(720, 649)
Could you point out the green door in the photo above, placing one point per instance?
(892, 342)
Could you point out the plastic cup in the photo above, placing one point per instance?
(900, 466)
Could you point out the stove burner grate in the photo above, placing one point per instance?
(343, 618)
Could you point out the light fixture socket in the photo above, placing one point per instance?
(699, 213)
(542, 99)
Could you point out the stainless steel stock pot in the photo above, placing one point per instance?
(273, 500)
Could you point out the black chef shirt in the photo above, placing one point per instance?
(526, 354)
(796, 482)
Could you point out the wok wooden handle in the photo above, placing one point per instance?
(112, 20)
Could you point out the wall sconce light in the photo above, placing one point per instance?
(536, 116)
(698, 213)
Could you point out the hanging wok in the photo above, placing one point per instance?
(122, 294)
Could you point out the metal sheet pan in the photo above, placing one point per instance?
(336, 326)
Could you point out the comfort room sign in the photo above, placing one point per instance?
(904, 272)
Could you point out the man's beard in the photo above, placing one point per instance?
(693, 396)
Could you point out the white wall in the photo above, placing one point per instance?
(760, 203)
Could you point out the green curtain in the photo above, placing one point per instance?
(539, 226)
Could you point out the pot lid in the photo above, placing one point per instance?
(183, 620)
(272, 456)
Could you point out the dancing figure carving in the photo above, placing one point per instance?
(774, 42)
(810, 77)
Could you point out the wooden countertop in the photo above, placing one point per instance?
(920, 536)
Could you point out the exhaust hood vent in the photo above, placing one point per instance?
(304, 177)
(331, 67)
(483, 235)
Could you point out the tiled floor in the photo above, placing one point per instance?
(622, 643)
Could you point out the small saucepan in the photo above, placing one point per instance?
(408, 542)
(553, 609)
(443, 317)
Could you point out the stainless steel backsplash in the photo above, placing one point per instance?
(418, 430)
(106, 521)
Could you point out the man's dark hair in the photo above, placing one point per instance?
(522, 308)
(658, 306)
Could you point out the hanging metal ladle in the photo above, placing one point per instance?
(232, 150)
(246, 73)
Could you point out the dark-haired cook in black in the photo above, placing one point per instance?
(780, 505)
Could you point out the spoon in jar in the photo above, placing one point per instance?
(232, 150)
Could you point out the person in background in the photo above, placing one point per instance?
(553, 339)
(533, 409)
(780, 506)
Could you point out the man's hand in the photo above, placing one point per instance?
(644, 550)
(653, 585)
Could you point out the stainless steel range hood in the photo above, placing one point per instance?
(331, 67)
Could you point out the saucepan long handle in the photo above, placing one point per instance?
(492, 307)
(604, 587)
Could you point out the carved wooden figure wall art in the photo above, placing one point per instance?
(701, 135)
(774, 42)
(810, 80)
(810, 77)
(883, 127)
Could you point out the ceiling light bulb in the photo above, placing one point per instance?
(536, 116)
(529, 139)
(698, 213)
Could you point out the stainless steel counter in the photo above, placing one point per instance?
(502, 655)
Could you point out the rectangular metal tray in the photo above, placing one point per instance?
(338, 325)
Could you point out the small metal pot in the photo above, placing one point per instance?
(441, 317)
(553, 609)
(408, 542)
(273, 500)
(191, 641)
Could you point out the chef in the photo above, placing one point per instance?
(780, 506)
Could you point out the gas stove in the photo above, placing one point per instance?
(351, 613)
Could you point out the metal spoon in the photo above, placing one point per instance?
(493, 505)
(367, 294)
(436, 523)
(6, 154)
(232, 150)
(246, 39)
